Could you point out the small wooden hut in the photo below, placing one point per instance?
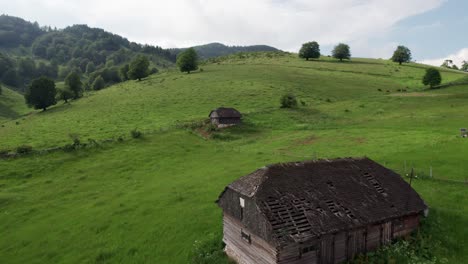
(325, 211)
(463, 132)
(225, 116)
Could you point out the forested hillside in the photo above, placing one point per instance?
(28, 51)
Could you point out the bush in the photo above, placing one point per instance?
(208, 251)
(24, 149)
(288, 101)
(136, 133)
(432, 77)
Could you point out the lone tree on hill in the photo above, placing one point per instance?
(138, 68)
(432, 77)
(73, 82)
(310, 50)
(464, 66)
(98, 83)
(41, 93)
(401, 54)
(341, 51)
(187, 60)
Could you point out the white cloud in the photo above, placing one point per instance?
(280, 23)
(457, 58)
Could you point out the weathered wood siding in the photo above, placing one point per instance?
(249, 216)
(293, 254)
(404, 226)
(256, 251)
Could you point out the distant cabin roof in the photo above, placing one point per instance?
(226, 112)
(301, 200)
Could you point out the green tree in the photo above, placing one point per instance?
(123, 72)
(65, 94)
(138, 68)
(432, 77)
(187, 60)
(0, 88)
(10, 77)
(288, 101)
(310, 50)
(73, 82)
(41, 93)
(401, 54)
(90, 67)
(464, 66)
(341, 52)
(98, 83)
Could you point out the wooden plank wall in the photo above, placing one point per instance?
(258, 251)
(333, 248)
(291, 254)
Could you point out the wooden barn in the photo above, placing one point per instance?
(224, 117)
(325, 211)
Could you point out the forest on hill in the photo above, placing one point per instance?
(28, 51)
(212, 50)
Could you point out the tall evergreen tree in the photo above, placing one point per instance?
(310, 50)
(401, 54)
(73, 82)
(41, 93)
(187, 60)
(138, 68)
(341, 52)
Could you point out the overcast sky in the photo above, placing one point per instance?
(433, 29)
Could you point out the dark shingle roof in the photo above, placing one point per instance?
(227, 112)
(303, 200)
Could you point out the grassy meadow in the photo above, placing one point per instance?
(147, 200)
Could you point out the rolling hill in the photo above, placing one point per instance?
(12, 105)
(117, 199)
(212, 50)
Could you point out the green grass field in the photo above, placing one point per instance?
(12, 105)
(148, 200)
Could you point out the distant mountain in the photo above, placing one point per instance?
(28, 51)
(217, 49)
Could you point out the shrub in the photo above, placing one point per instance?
(24, 149)
(136, 133)
(208, 251)
(288, 101)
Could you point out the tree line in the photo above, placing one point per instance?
(43, 93)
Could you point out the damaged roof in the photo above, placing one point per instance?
(303, 200)
(226, 112)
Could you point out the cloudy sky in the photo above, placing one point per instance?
(434, 30)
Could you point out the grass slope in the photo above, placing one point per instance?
(12, 105)
(148, 200)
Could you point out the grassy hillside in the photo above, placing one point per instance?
(12, 105)
(148, 200)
